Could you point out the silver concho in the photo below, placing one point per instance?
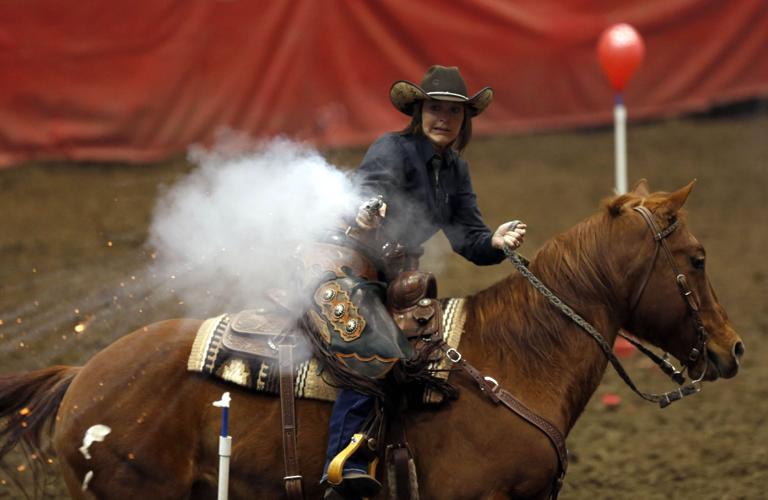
(351, 326)
(338, 310)
(329, 294)
(424, 302)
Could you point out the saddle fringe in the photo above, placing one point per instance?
(411, 375)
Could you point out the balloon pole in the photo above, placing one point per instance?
(620, 50)
(620, 145)
(225, 446)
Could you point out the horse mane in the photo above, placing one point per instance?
(515, 320)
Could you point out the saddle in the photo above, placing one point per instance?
(242, 348)
(412, 301)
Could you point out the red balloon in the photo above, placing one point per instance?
(620, 50)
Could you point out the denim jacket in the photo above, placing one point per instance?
(424, 194)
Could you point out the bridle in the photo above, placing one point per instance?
(659, 236)
(682, 284)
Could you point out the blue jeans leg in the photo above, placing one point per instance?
(348, 416)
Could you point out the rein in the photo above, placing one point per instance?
(664, 399)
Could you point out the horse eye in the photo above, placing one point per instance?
(697, 262)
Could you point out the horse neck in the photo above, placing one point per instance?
(545, 358)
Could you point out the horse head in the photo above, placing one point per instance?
(671, 302)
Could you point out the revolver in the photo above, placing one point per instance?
(373, 205)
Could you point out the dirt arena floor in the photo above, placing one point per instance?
(72, 250)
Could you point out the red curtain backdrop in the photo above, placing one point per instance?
(141, 80)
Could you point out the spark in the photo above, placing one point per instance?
(24, 411)
(21, 468)
(79, 328)
(109, 243)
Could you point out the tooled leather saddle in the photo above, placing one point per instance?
(412, 301)
(243, 348)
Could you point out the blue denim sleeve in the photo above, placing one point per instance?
(466, 231)
(382, 169)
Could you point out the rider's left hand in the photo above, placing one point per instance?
(513, 238)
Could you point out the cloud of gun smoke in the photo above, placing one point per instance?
(225, 233)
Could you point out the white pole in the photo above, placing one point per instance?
(620, 144)
(225, 447)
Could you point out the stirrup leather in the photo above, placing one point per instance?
(336, 467)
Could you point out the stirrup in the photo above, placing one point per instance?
(336, 467)
(356, 485)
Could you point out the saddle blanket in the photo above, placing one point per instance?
(210, 356)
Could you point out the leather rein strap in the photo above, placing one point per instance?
(497, 394)
(292, 477)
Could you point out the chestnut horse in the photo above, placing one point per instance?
(163, 443)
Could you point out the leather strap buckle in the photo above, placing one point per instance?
(453, 355)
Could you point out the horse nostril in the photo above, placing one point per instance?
(738, 350)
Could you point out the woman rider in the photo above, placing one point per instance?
(420, 175)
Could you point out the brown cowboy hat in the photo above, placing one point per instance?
(443, 84)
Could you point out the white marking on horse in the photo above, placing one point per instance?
(87, 479)
(94, 433)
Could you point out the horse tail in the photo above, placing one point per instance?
(27, 401)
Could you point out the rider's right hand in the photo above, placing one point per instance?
(371, 219)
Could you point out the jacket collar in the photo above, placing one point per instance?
(427, 151)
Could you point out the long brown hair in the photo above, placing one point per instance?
(462, 140)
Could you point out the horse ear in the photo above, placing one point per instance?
(677, 199)
(641, 188)
(616, 204)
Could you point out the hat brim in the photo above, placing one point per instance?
(405, 94)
